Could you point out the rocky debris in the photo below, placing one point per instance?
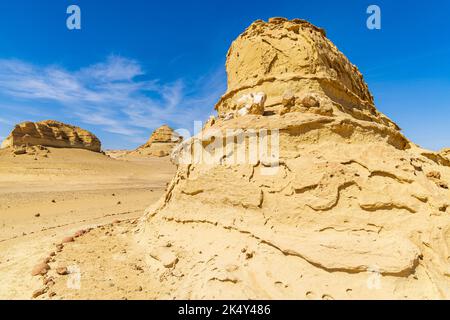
(79, 233)
(67, 240)
(40, 269)
(211, 121)
(49, 282)
(310, 102)
(46, 260)
(252, 103)
(39, 293)
(161, 143)
(33, 151)
(62, 271)
(19, 151)
(434, 175)
(165, 256)
(347, 201)
(249, 255)
(288, 101)
(49, 133)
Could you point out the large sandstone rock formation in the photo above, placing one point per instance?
(160, 144)
(346, 207)
(51, 133)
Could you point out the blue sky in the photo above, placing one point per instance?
(136, 64)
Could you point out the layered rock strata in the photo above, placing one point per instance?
(340, 205)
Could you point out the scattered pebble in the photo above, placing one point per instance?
(79, 233)
(47, 281)
(168, 259)
(20, 151)
(62, 271)
(68, 239)
(38, 292)
(40, 269)
(46, 260)
(37, 215)
(50, 283)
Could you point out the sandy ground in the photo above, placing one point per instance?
(47, 196)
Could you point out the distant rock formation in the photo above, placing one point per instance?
(343, 206)
(51, 133)
(160, 144)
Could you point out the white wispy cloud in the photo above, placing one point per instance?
(115, 95)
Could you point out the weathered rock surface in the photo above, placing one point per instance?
(51, 133)
(160, 144)
(445, 153)
(343, 205)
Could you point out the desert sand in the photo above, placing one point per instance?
(48, 196)
(340, 206)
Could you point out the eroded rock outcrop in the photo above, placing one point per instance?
(160, 144)
(341, 204)
(51, 133)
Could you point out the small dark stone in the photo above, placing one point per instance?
(62, 271)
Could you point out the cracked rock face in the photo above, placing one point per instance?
(353, 210)
(161, 143)
(51, 133)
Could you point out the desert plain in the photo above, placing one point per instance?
(46, 199)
